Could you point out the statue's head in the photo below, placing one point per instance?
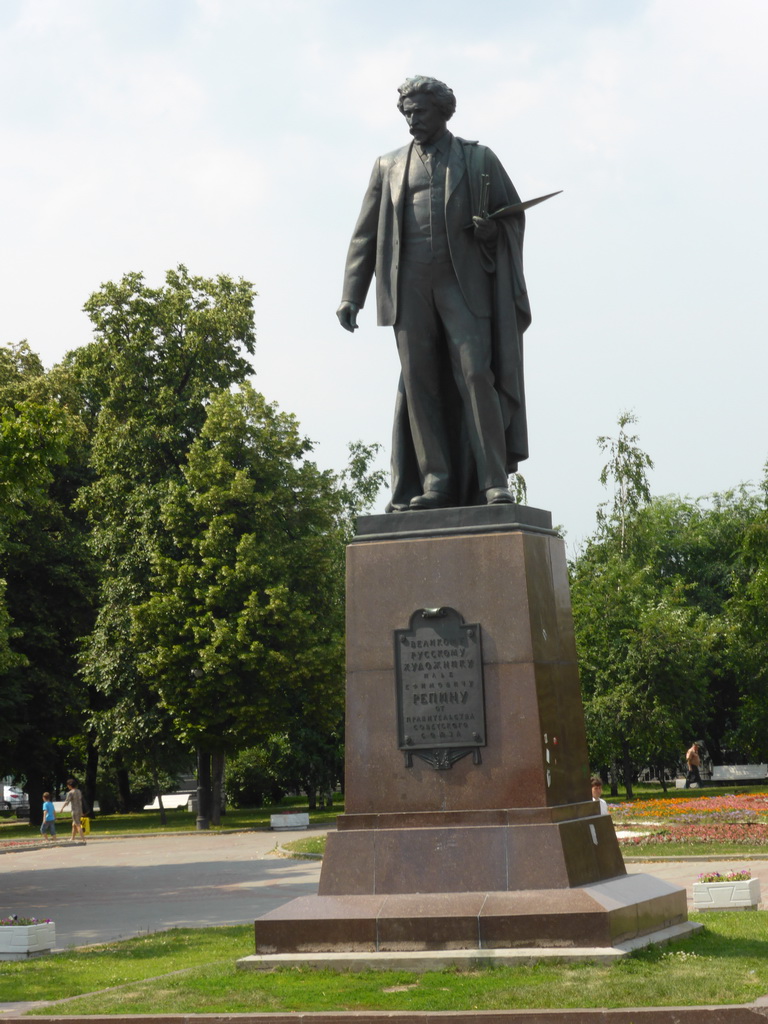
(441, 95)
(426, 105)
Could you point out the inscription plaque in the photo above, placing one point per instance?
(439, 679)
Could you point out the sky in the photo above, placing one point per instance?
(237, 137)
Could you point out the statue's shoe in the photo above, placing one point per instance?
(498, 496)
(432, 499)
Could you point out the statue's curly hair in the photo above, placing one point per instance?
(439, 91)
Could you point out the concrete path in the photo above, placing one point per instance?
(685, 872)
(116, 888)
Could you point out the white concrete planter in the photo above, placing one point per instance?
(19, 941)
(284, 822)
(742, 895)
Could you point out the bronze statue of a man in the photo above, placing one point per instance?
(449, 279)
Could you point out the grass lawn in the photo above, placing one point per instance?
(726, 963)
(656, 851)
(310, 847)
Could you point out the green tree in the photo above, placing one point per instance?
(627, 469)
(242, 634)
(699, 548)
(747, 614)
(642, 659)
(158, 356)
(642, 643)
(47, 585)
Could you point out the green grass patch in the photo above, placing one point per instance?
(726, 963)
(659, 851)
(310, 847)
(62, 975)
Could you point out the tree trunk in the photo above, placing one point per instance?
(124, 790)
(91, 768)
(217, 787)
(34, 790)
(159, 795)
(614, 778)
(203, 822)
(627, 764)
(311, 791)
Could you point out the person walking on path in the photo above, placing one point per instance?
(693, 760)
(48, 827)
(75, 800)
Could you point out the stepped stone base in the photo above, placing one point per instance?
(446, 845)
(604, 914)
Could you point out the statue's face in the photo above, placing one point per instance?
(425, 121)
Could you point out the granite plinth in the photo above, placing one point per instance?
(500, 849)
(514, 583)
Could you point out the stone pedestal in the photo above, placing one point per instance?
(501, 847)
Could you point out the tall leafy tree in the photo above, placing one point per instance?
(158, 356)
(246, 591)
(748, 618)
(627, 472)
(643, 654)
(669, 605)
(242, 633)
(47, 584)
(641, 644)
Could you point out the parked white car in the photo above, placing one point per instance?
(12, 798)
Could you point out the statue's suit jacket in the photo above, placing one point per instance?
(491, 280)
(377, 239)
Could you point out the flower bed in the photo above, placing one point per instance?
(738, 835)
(746, 807)
(737, 820)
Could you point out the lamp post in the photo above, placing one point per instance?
(202, 822)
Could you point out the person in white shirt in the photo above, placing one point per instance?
(597, 793)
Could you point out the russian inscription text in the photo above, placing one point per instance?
(439, 676)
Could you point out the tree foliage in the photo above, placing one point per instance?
(171, 559)
(46, 575)
(627, 471)
(158, 357)
(668, 614)
(247, 592)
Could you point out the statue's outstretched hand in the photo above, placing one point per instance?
(347, 314)
(485, 229)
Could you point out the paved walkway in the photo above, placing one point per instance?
(116, 888)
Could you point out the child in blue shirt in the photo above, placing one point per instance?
(48, 828)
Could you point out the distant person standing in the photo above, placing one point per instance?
(597, 793)
(693, 760)
(75, 800)
(48, 827)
